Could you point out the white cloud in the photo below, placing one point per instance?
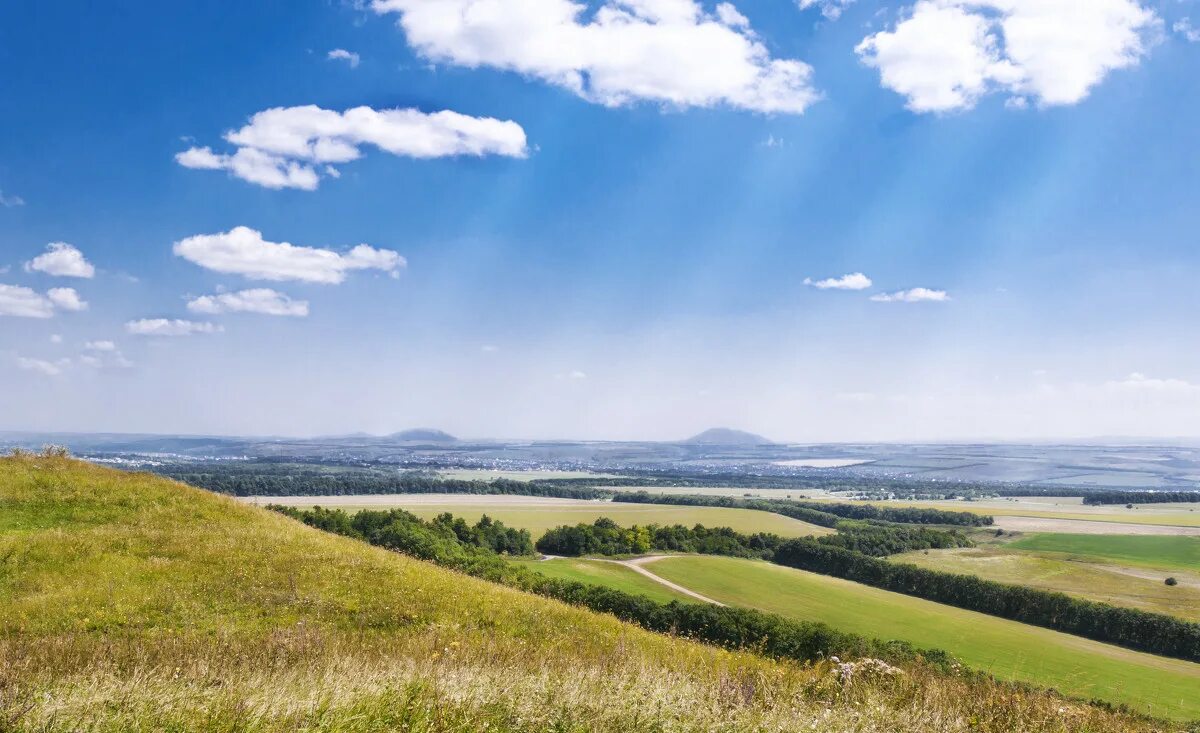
(256, 300)
(63, 260)
(1184, 27)
(100, 346)
(103, 354)
(9, 201)
(41, 366)
(169, 327)
(283, 147)
(56, 338)
(23, 302)
(831, 9)
(1140, 383)
(666, 51)
(852, 281)
(243, 251)
(914, 295)
(66, 299)
(341, 54)
(576, 374)
(944, 55)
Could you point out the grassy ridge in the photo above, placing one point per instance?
(1005, 648)
(131, 603)
(1150, 551)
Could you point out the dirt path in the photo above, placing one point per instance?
(636, 565)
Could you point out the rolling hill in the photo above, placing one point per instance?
(727, 436)
(132, 603)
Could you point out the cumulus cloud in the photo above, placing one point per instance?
(831, 9)
(243, 251)
(944, 55)
(341, 54)
(169, 327)
(666, 51)
(852, 281)
(63, 260)
(23, 302)
(66, 299)
(1184, 27)
(913, 295)
(9, 201)
(284, 147)
(256, 300)
(100, 346)
(41, 366)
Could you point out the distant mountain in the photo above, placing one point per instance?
(727, 436)
(423, 435)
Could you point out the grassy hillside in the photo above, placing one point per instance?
(1163, 552)
(131, 603)
(1008, 649)
(540, 515)
(1107, 583)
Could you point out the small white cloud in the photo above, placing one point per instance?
(100, 346)
(256, 300)
(283, 147)
(94, 362)
(41, 366)
(576, 374)
(1184, 27)
(852, 281)
(773, 142)
(914, 295)
(66, 299)
(169, 327)
(23, 302)
(944, 55)
(9, 201)
(831, 9)
(341, 54)
(55, 338)
(63, 260)
(243, 251)
(669, 52)
(1140, 383)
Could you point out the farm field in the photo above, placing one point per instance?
(539, 514)
(1164, 553)
(1007, 649)
(1120, 586)
(610, 574)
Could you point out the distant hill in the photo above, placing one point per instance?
(423, 435)
(727, 436)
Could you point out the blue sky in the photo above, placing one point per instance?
(610, 237)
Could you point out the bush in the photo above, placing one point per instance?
(1172, 581)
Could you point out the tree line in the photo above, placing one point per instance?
(1140, 497)
(1150, 632)
(820, 513)
(605, 537)
(730, 627)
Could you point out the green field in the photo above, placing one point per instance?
(540, 515)
(1007, 649)
(1150, 551)
(605, 573)
(1135, 588)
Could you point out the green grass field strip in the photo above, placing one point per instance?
(604, 573)
(1150, 551)
(1007, 649)
(1151, 515)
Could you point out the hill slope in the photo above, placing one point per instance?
(129, 602)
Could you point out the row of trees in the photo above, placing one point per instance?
(1140, 497)
(1150, 632)
(880, 539)
(605, 537)
(269, 480)
(730, 627)
(442, 537)
(820, 513)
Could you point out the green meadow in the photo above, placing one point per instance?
(1151, 551)
(610, 574)
(1007, 649)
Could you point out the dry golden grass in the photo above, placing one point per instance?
(130, 603)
